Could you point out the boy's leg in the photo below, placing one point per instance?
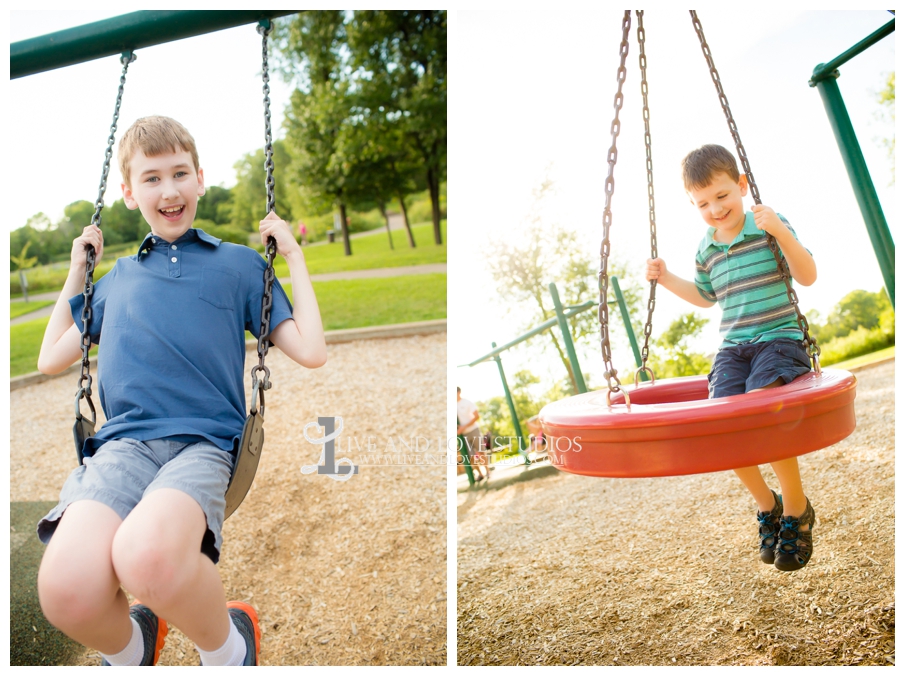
(794, 502)
(77, 585)
(157, 556)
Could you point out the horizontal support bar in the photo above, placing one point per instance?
(826, 70)
(124, 33)
(537, 329)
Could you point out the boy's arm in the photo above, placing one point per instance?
(302, 339)
(684, 289)
(62, 343)
(801, 264)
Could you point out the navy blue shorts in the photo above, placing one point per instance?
(741, 368)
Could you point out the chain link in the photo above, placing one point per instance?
(602, 279)
(781, 264)
(651, 301)
(90, 254)
(258, 388)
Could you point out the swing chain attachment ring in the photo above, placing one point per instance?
(628, 401)
(649, 370)
(85, 393)
(602, 279)
(781, 264)
(259, 386)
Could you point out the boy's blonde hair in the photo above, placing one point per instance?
(701, 166)
(154, 135)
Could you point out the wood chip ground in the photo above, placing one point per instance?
(341, 573)
(577, 570)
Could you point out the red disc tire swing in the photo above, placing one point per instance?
(670, 427)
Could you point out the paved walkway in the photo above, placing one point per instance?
(430, 268)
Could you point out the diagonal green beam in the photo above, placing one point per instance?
(550, 323)
(124, 33)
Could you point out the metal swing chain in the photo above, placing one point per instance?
(264, 28)
(782, 265)
(602, 279)
(651, 301)
(90, 254)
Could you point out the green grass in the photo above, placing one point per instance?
(19, 309)
(344, 304)
(354, 303)
(373, 251)
(369, 251)
(864, 359)
(24, 346)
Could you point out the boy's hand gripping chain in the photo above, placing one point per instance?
(810, 342)
(83, 428)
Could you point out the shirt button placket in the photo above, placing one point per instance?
(175, 254)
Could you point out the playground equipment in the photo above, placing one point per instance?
(672, 428)
(127, 33)
(563, 314)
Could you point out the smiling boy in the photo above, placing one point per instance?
(145, 510)
(762, 342)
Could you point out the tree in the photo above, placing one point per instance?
(402, 56)
(23, 263)
(319, 109)
(213, 205)
(857, 308)
(674, 357)
(248, 198)
(887, 99)
(547, 252)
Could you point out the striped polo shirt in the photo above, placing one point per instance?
(742, 277)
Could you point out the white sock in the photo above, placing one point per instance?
(230, 654)
(131, 655)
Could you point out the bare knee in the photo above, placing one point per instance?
(149, 566)
(71, 598)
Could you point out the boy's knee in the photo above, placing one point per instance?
(70, 598)
(150, 568)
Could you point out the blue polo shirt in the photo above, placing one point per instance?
(170, 324)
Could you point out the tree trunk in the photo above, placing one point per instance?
(433, 184)
(383, 210)
(347, 245)
(24, 284)
(405, 219)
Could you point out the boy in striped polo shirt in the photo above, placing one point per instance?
(762, 343)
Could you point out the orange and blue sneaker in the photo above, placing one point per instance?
(246, 620)
(153, 631)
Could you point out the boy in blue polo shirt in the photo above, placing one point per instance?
(145, 510)
(762, 342)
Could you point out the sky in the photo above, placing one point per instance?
(535, 89)
(210, 83)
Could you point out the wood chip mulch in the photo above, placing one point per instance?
(341, 573)
(577, 570)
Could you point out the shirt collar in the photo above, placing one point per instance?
(749, 229)
(191, 235)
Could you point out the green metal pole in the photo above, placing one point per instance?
(826, 69)
(627, 320)
(866, 195)
(466, 457)
(573, 310)
(567, 339)
(512, 412)
(124, 33)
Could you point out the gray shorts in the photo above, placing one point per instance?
(123, 471)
